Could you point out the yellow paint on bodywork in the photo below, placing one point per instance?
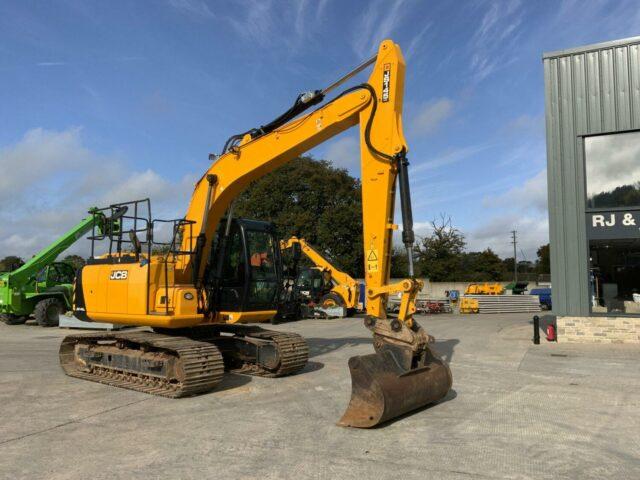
(138, 302)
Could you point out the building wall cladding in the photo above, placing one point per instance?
(588, 90)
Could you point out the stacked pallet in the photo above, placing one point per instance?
(506, 303)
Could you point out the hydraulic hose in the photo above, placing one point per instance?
(302, 103)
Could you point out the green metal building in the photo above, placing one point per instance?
(592, 104)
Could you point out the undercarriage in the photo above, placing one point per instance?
(181, 362)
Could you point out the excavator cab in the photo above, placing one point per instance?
(312, 284)
(247, 269)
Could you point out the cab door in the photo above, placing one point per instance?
(234, 272)
(250, 270)
(264, 279)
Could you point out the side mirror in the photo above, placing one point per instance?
(296, 252)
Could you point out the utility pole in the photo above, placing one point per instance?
(514, 241)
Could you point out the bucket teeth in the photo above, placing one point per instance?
(381, 389)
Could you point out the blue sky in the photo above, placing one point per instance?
(107, 101)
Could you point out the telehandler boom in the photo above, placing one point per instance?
(219, 272)
(43, 286)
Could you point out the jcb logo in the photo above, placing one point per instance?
(386, 82)
(119, 275)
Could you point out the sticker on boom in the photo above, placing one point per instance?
(372, 261)
(386, 82)
(119, 275)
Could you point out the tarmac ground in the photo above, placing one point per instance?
(516, 411)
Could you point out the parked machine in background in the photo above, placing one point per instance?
(484, 289)
(469, 304)
(545, 297)
(518, 288)
(41, 286)
(322, 288)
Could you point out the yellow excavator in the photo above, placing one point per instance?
(198, 280)
(338, 290)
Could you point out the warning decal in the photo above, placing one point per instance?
(372, 261)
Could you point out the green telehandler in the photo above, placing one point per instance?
(42, 286)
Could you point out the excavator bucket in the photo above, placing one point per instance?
(381, 389)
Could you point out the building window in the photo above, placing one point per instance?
(615, 276)
(613, 170)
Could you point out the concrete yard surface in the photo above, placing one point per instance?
(517, 411)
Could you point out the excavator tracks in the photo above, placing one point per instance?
(186, 362)
(168, 366)
(292, 350)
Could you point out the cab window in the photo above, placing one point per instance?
(263, 286)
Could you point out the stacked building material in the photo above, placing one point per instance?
(424, 304)
(506, 303)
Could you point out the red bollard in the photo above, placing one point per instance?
(551, 333)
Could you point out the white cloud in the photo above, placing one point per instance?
(299, 23)
(531, 195)
(50, 179)
(495, 233)
(526, 123)
(522, 208)
(378, 22)
(345, 153)
(322, 6)
(267, 23)
(612, 161)
(416, 41)
(447, 158)
(431, 116)
(38, 154)
(257, 22)
(498, 29)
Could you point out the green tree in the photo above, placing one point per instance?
(623, 196)
(314, 200)
(76, 261)
(483, 266)
(438, 256)
(400, 263)
(543, 264)
(10, 263)
(507, 265)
